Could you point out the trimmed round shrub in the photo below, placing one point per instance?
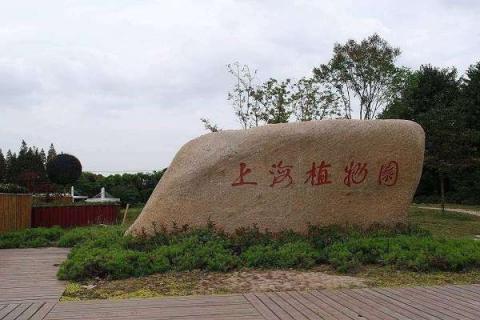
(64, 169)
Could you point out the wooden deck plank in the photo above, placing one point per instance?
(441, 304)
(30, 274)
(362, 309)
(43, 311)
(298, 305)
(460, 294)
(17, 312)
(344, 311)
(413, 301)
(310, 305)
(287, 307)
(364, 298)
(276, 309)
(455, 299)
(7, 309)
(260, 307)
(403, 308)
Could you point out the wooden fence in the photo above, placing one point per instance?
(15, 211)
(74, 215)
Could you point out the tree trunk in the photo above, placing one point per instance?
(442, 191)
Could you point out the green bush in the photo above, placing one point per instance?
(104, 235)
(88, 262)
(31, 238)
(288, 255)
(12, 188)
(104, 251)
(406, 252)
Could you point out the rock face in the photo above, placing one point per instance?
(286, 176)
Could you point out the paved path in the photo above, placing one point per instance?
(28, 284)
(29, 290)
(468, 211)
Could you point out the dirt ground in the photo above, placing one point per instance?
(200, 283)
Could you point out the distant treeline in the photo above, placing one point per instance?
(27, 168)
(448, 108)
(130, 188)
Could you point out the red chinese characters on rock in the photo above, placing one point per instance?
(318, 175)
(388, 174)
(243, 172)
(281, 174)
(355, 173)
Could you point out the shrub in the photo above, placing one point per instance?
(64, 169)
(293, 254)
(12, 188)
(31, 238)
(406, 252)
(103, 235)
(87, 262)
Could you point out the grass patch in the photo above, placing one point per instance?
(390, 277)
(31, 238)
(433, 242)
(448, 224)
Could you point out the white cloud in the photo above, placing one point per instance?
(122, 84)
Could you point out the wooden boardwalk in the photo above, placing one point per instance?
(29, 290)
(28, 284)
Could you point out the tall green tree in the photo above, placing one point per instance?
(430, 98)
(3, 167)
(275, 100)
(470, 104)
(364, 70)
(52, 153)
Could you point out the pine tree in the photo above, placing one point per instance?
(43, 157)
(3, 167)
(51, 153)
(11, 167)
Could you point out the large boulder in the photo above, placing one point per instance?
(286, 176)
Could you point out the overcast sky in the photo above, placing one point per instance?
(122, 84)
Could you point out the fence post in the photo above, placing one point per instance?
(125, 213)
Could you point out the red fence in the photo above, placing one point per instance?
(74, 216)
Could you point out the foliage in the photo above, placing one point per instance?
(436, 99)
(212, 127)
(31, 238)
(407, 253)
(300, 254)
(3, 167)
(104, 251)
(64, 169)
(130, 188)
(12, 188)
(365, 70)
(27, 168)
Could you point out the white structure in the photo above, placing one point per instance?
(103, 197)
(78, 197)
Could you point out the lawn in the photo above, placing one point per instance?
(433, 248)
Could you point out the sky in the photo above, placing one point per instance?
(122, 84)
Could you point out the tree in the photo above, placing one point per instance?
(212, 127)
(470, 104)
(3, 167)
(51, 153)
(365, 70)
(311, 101)
(275, 100)
(64, 169)
(11, 166)
(246, 108)
(430, 98)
